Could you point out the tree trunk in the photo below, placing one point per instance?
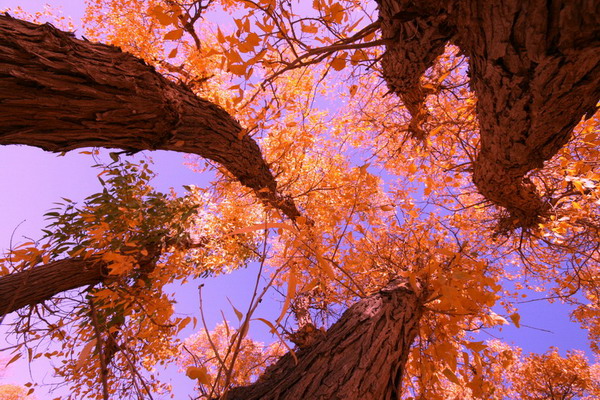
(362, 356)
(35, 285)
(534, 66)
(60, 93)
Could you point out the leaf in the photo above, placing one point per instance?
(338, 64)
(175, 34)
(184, 322)
(237, 69)
(441, 78)
(269, 324)
(244, 329)
(173, 53)
(357, 56)
(252, 39)
(260, 227)
(578, 186)
(337, 12)
(324, 264)
(516, 319)
(451, 376)
(12, 360)
(273, 330)
(310, 28)
(496, 319)
(85, 354)
(291, 292)
(436, 130)
(412, 280)
(220, 36)
(476, 346)
(363, 168)
(199, 373)
(163, 18)
(237, 312)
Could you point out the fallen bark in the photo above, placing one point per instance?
(60, 93)
(362, 356)
(534, 67)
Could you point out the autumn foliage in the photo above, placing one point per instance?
(374, 184)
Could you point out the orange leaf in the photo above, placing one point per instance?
(338, 64)
(291, 292)
(175, 34)
(309, 28)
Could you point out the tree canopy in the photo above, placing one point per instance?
(409, 169)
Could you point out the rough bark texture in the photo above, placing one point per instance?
(60, 93)
(35, 285)
(534, 66)
(417, 39)
(362, 356)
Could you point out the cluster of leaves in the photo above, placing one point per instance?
(13, 392)
(207, 357)
(9, 391)
(530, 376)
(144, 240)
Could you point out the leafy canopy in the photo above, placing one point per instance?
(377, 203)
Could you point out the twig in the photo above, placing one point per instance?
(99, 350)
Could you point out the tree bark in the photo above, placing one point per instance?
(60, 93)
(362, 356)
(534, 67)
(35, 285)
(418, 35)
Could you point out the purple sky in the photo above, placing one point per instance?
(32, 179)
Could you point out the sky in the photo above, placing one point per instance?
(31, 180)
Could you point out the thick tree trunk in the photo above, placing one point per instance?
(60, 93)
(362, 356)
(35, 285)
(534, 66)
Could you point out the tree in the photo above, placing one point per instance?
(534, 70)
(10, 391)
(535, 74)
(550, 376)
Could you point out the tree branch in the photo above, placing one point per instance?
(60, 93)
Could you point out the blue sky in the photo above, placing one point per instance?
(31, 180)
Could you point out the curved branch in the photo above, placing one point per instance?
(60, 93)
